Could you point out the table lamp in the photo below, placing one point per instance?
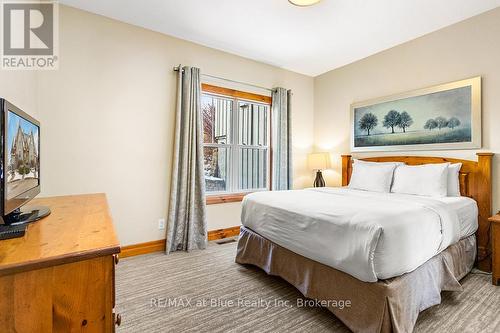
(318, 162)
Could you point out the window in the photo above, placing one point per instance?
(236, 137)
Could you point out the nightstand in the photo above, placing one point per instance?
(495, 248)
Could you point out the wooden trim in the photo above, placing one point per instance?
(224, 198)
(223, 233)
(235, 93)
(475, 182)
(159, 245)
(143, 248)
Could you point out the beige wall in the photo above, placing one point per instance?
(108, 115)
(464, 50)
(19, 88)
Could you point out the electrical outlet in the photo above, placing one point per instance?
(161, 224)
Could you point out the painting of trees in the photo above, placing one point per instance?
(430, 124)
(392, 119)
(405, 121)
(368, 122)
(439, 117)
(453, 122)
(441, 122)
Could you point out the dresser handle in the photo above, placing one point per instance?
(117, 259)
(118, 319)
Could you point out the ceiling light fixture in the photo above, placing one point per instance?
(303, 3)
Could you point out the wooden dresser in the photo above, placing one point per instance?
(60, 277)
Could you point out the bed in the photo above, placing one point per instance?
(388, 255)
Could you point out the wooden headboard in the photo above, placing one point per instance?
(475, 182)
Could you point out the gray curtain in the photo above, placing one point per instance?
(282, 139)
(187, 224)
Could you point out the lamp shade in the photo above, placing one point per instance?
(303, 3)
(319, 161)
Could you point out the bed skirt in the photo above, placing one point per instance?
(390, 305)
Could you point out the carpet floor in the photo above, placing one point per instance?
(206, 291)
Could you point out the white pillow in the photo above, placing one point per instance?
(372, 177)
(427, 179)
(378, 163)
(453, 180)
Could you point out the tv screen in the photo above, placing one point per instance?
(23, 164)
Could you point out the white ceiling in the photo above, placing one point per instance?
(308, 40)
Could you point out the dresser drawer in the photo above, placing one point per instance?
(65, 298)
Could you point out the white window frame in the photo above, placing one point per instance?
(234, 148)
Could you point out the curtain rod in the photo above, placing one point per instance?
(177, 68)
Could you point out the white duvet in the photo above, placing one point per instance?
(368, 235)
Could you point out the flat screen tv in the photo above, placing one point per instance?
(20, 165)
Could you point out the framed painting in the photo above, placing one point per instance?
(442, 117)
